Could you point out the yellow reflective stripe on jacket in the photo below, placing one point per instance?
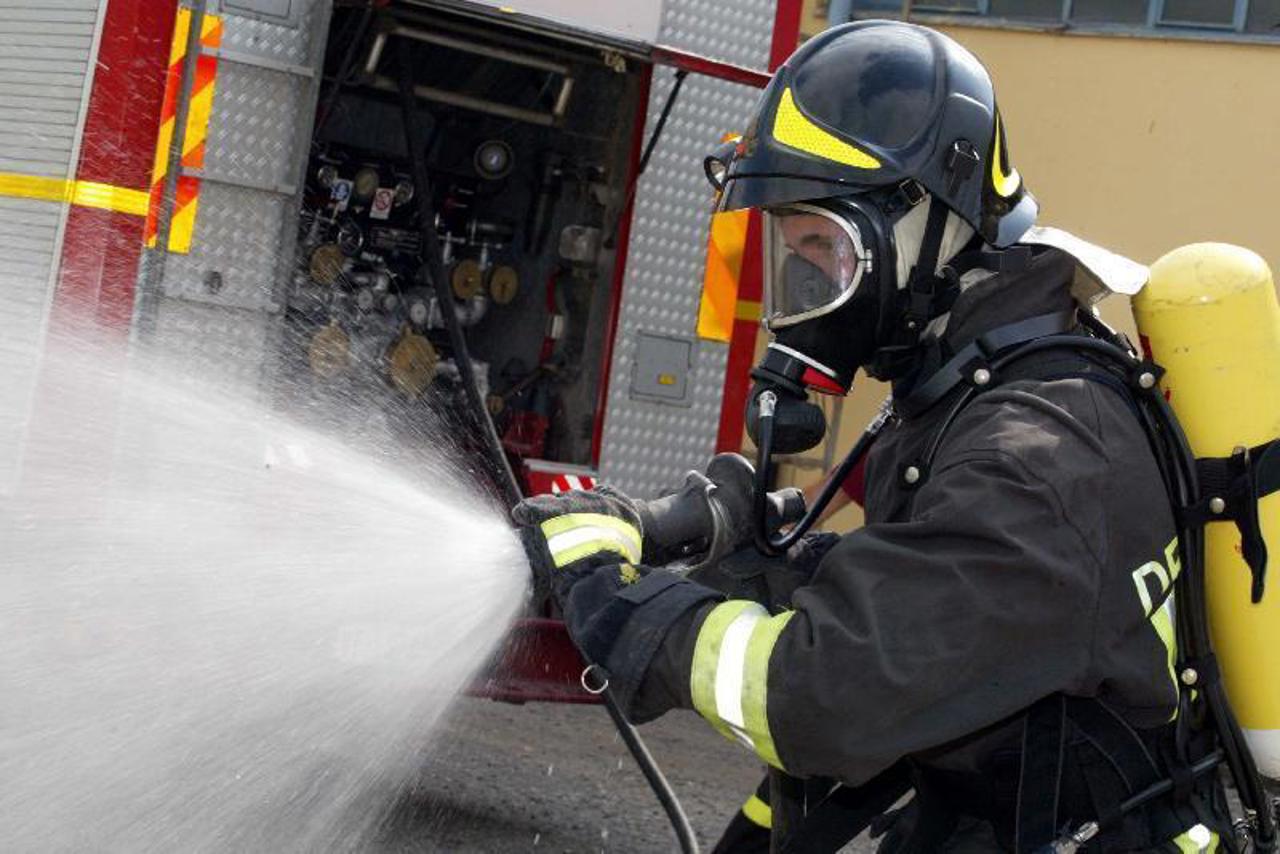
(755, 684)
(729, 679)
(706, 658)
(574, 536)
(758, 812)
(1197, 840)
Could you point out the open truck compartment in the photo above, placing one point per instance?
(294, 239)
(527, 140)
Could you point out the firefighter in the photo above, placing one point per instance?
(998, 636)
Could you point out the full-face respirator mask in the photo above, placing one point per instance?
(835, 300)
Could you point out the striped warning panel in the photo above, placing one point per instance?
(567, 482)
(544, 477)
(182, 223)
(725, 246)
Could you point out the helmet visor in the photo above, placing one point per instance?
(814, 261)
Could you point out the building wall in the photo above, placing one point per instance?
(1138, 144)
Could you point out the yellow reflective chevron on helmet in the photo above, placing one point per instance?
(1004, 183)
(793, 129)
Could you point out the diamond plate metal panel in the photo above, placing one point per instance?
(238, 238)
(271, 41)
(245, 227)
(647, 445)
(250, 134)
(737, 31)
(214, 345)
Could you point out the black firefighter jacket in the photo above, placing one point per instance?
(1034, 558)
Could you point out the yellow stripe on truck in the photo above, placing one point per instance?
(88, 194)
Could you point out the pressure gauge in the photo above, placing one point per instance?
(326, 264)
(329, 351)
(419, 312)
(350, 238)
(504, 283)
(412, 364)
(404, 193)
(366, 183)
(365, 300)
(466, 278)
(494, 159)
(326, 175)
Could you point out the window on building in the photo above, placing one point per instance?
(1132, 12)
(1210, 17)
(947, 6)
(873, 8)
(1263, 17)
(1041, 9)
(1202, 13)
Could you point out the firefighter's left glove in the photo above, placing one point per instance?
(588, 544)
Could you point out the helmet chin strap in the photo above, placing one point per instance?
(925, 241)
(909, 235)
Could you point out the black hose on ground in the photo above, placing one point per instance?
(653, 776)
(510, 487)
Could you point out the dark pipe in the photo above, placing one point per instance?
(344, 70)
(666, 795)
(777, 544)
(414, 140)
(658, 126)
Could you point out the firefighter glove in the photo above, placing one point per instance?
(617, 611)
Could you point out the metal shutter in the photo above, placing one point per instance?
(46, 52)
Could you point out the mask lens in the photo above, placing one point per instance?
(815, 261)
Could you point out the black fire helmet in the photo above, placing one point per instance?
(873, 104)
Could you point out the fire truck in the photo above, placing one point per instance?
(258, 186)
(240, 171)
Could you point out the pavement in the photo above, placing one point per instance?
(557, 778)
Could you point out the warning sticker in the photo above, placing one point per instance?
(340, 194)
(382, 201)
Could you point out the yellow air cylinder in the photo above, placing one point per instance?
(1209, 315)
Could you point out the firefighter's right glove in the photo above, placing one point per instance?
(616, 611)
(570, 534)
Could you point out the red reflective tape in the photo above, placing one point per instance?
(188, 191)
(194, 159)
(206, 72)
(816, 379)
(213, 37)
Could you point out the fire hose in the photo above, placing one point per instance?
(503, 474)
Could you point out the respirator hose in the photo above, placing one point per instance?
(777, 544)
